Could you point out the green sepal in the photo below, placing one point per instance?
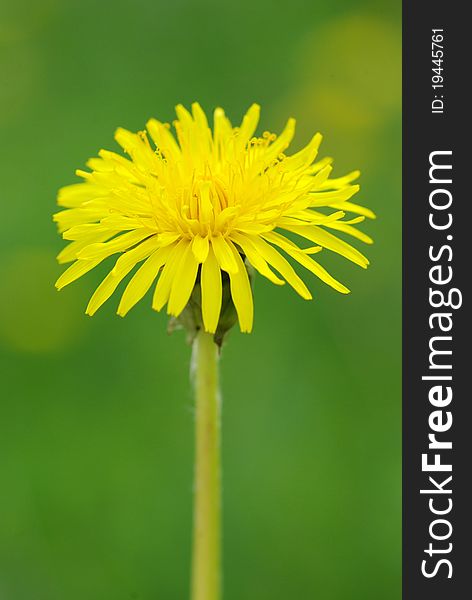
(190, 319)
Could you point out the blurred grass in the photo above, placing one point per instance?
(96, 421)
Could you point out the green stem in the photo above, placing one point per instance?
(206, 562)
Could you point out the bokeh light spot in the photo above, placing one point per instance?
(360, 85)
(34, 317)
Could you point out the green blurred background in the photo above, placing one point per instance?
(96, 431)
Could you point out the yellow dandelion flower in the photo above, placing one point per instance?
(201, 207)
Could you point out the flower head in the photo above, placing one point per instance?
(199, 208)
